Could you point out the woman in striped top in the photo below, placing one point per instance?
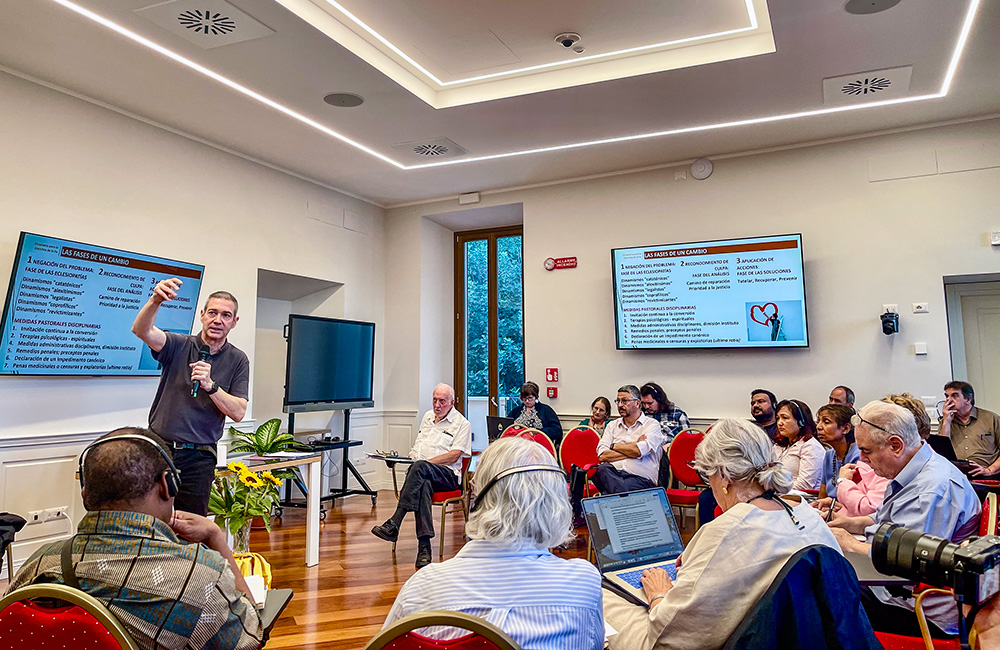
(506, 573)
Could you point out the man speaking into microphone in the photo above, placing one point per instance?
(204, 380)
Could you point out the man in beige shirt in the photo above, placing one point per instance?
(974, 432)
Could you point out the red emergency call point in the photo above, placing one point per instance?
(552, 374)
(551, 391)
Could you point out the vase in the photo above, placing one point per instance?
(241, 540)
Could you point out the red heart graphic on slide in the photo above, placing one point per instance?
(763, 312)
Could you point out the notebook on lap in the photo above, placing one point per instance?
(632, 532)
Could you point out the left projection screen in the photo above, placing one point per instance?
(70, 308)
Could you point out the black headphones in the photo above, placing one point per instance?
(656, 392)
(172, 473)
(508, 472)
(799, 418)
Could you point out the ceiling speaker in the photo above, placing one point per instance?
(869, 6)
(701, 169)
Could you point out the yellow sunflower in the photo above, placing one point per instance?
(250, 479)
(237, 467)
(271, 477)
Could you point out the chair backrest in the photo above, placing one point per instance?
(579, 447)
(988, 519)
(513, 430)
(682, 452)
(482, 634)
(814, 602)
(75, 620)
(541, 438)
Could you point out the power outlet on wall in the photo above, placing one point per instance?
(892, 309)
(60, 512)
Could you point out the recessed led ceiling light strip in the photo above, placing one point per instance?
(945, 86)
(86, 13)
(751, 18)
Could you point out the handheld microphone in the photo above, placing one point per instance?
(203, 352)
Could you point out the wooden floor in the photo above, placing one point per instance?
(342, 602)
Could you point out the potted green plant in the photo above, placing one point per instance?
(240, 495)
(267, 439)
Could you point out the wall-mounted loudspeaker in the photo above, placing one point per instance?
(701, 169)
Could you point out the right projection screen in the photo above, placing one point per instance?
(731, 293)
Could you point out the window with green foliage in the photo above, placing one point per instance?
(510, 316)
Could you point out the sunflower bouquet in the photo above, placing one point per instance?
(239, 497)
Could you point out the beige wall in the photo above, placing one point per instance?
(865, 243)
(72, 170)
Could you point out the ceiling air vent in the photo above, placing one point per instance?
(864, 87)
(206, 23)
(434, 149)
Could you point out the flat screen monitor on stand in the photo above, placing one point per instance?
(330, 367)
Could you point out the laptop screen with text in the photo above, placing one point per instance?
(632, 528)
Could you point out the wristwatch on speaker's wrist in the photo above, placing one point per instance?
(214, 389)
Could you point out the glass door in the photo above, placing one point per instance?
(489, 325)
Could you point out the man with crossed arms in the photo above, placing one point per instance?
(630, 448)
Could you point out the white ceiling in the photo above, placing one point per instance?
(297, 65)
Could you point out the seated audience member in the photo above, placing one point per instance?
(657, 405)
(130, 552)
(798, 449)
(730, 562)
(833, 428)
(842, 395)
(860, 490)
(506, 573)
(925, 493)
(443, 440)
(763, 407)
(532, 413)
(630, 448)
(914, 406)
(600, 409)
(974, 432)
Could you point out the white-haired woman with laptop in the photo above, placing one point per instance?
(506, 573)
(731, 561)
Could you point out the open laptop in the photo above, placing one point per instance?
(632, 532)
(942, 445)
(496, 425)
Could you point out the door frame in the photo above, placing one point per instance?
(492, 235)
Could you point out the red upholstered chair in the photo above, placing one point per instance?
(899, 642)
(579, 447)
(541, 438)
(451, 501)
(988, 520)
(57, 616)
(680, 453)
(482, 634)
(513, 430)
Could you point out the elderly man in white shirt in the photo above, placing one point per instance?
(444, 439)
(630, 448)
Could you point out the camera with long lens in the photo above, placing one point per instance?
(972, 570)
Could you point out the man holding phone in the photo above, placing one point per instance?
(974, 432)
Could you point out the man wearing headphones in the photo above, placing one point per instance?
(763, 406)
(205, 379)
(129, 552)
